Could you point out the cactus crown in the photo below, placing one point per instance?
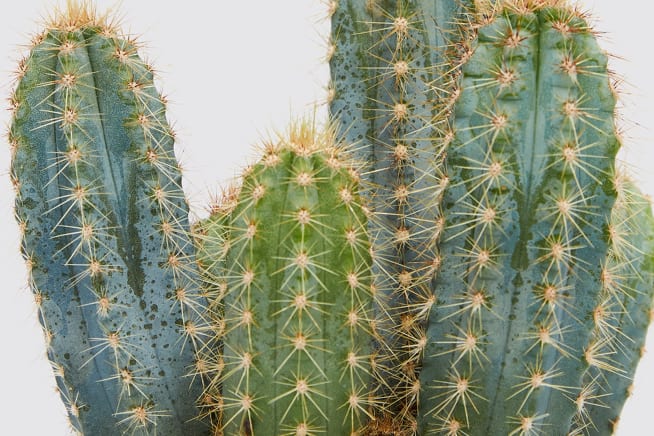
(78, 14)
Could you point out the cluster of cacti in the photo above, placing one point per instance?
(456, 254)
(104, 227)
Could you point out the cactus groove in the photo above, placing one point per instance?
(531, 186)
(297, 328)
(105, 231)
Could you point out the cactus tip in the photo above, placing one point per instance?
(80, 13)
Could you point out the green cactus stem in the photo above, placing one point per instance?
(530, 173)
(105, 230)
(296, 295)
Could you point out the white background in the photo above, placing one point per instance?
(234, 71)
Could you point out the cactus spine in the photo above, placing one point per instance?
(531, 187)
(295, 293)
(104, 225)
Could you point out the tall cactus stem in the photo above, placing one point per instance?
(105, 230)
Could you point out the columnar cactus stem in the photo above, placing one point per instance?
(390, 92)
(105, 230)
(212, 237)
(531, 186)
(297, 331)
(622, 316)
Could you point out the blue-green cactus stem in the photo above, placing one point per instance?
(530, 189)
(105, 231)
(622, 316)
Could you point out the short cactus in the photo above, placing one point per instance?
(105, 230)
(295, 294)
(531, 178)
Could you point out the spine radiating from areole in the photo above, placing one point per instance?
(105, 229)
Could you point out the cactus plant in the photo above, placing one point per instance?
(530, 189)
(295, 294)
(211, 240)
(391, 84)
(622, 315)
(105, 230)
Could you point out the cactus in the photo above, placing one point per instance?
(295, 294)
(622, 315)
(211, 240)
(530, 173)
(391, 84)
(105, 230)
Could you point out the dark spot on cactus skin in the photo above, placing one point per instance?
(247, 428)
(29, 203)
(66, 356)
